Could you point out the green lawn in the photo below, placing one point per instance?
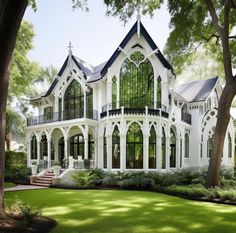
(8, 185)
(103, 211)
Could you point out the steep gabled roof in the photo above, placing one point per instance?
(196, 91)
(132, 31)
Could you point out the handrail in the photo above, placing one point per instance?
(62, 116)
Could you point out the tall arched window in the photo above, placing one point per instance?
(186, 145)
(136, 82)
(163, 149)
(61, 147)
(33, 145)
(77, 146)
(89, 106)
(152, 148)
(104, 149)
(229, 146)
(90, 146)
(73, 101)
(134, 147)
(172, 148)
(116, 148)
(181, 153)
(114, 93)
(159, 92)
(209, 147)
(44, 146)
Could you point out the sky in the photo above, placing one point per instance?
(94, 36)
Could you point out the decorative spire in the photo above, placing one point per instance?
(70, 48)
(138, 21)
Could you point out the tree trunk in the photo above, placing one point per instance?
(11, 14)
(213, 175)
(8, 141)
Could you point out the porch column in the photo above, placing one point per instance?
(29, 153)
(158, 152)
(168, 152)
(109, 152)
(145, 152)
(66, 147)
(85, 103)
(49, 141)
(38, 150)
(86, 148)
(177, 163)
(122, 151)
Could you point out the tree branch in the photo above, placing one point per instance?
(215, 19)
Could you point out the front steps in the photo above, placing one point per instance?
(44, 180)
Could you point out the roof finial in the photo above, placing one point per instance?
(138, 21)
(70, 48)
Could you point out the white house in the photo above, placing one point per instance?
(126, 114)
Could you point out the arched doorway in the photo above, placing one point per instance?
(134, 147)
(172, 148)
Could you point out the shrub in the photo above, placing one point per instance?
(18, 174)
(110, 181)
(223, 194)
(137, 182)
(24, 210)
(191, 191)
(13, 157)
(84, 178)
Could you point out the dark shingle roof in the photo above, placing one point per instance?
(196, 91)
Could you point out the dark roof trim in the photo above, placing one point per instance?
(148, 38)
(63, 67)
(77, 63)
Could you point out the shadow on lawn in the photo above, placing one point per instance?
(118, 211)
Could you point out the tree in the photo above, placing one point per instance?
(14, 126)
(195, 23)
(11, 14)
(23, 71)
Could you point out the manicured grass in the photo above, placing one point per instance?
(8, 185)
(103, 211)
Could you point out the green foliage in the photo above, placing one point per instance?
(25, 210)
(23, 71)
(13, 157)
(18, 174)
(126, 9)
(84, 178)
(191, 190)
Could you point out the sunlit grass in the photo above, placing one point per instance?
(103, 211)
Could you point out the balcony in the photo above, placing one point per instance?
(186, 117)
(62, 116)
(107, 110)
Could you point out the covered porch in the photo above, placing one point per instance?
(69, 147)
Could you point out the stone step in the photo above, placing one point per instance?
(45, 178)
(41, 184)
(43, 181)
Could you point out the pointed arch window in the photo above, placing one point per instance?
(116, 148)
(77, 146)
(134, 147)
(73, 101)
(89, 95)
(44, 146)
(163, 149)
(186, 145)
(229, 146)
(104, 149)
(114, 89)
(136, 82)
(159, 92)
(33, 145)
(172, 148)
(181, 152)
(152, 148)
